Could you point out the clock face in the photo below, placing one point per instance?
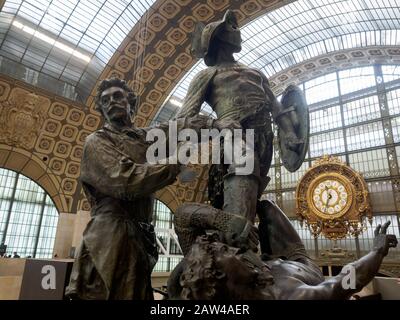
(330, 196)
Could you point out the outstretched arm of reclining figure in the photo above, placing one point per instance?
(363, 270)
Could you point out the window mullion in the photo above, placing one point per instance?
(10, 208)
(40, 225)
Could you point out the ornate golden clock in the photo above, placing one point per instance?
(333, 199)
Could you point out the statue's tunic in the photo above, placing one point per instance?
(238, 93)
(118, 251)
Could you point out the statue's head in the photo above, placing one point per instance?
(215, 271)
(115, 100)
(207, 39)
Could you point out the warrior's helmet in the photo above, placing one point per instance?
(206, 38)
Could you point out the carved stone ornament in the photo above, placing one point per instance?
(21, 119)
(333, 199)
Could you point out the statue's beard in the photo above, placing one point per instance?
(117, 114)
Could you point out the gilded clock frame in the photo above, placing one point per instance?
(348, 221)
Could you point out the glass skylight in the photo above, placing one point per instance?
(305, 29)
(71, 41)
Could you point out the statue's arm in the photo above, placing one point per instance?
(366, 268)
(189, 117)
(353, 276)
(197, 94)
(342, 286)
(112, 173)
(285, 121)
(170, 130)
(196, 122)
(282, 119)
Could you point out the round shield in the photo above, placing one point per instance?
(294, 106)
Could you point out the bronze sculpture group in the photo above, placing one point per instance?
(219, 241)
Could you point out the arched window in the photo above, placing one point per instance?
(170, 253)
(28, 217)
(359, 122)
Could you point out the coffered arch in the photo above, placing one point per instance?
(334, 61)
(42, 137)
(35, 168)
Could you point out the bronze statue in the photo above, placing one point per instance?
(225, 264)
(215, 270)
(118, 251)
(242, 94)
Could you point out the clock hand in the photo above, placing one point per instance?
(326, 207)
(329, 197)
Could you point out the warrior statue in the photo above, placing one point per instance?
(242, 94)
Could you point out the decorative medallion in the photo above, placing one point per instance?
(21, 120)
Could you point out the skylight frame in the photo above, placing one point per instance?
(92, 27)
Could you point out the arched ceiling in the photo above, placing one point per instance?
(32, 166)
(308, 30)
(66, 42)
(155, 56)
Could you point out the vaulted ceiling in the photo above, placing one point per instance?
(61, 50)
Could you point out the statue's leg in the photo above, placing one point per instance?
(241, 191)
(192, 220)
(215, 185)
(240, 195)
(85, 281)
(276, 227)
(278, 238)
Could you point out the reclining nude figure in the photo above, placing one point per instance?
(225, 265)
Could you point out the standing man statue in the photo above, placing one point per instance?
(118, 250)
(242, 94)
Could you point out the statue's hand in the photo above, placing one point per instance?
(292, 142)
(241, 233)
(383, 241)
(226, 124)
